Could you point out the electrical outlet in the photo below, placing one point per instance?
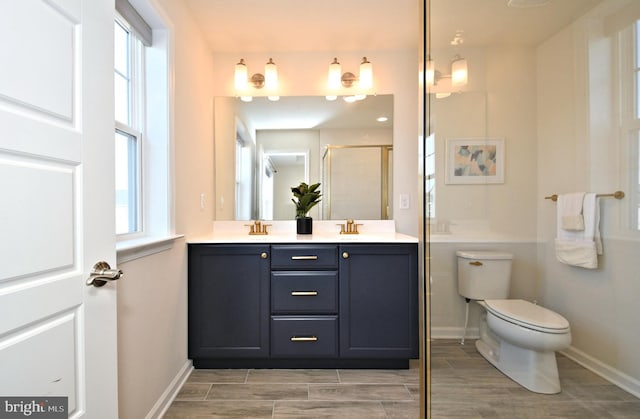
(202, 201)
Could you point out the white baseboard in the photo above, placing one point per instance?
(162, 405)
(605, 371)
(454, 333)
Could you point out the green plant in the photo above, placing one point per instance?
(307, 197)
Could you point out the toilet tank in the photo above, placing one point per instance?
(484, 275)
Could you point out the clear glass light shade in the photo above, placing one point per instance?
(459, 72)
(335, 73)
(240, 76)
(271, 75)
(431, 73)
(366, 74)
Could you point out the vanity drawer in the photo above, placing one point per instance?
(304, 336)
(311, 292)
(304, 257)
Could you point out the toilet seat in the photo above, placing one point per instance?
(528, 315)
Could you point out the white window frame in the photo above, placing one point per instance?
(629, 74)
(134, 125)
(151, 115)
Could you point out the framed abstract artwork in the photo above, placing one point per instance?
(475, 161)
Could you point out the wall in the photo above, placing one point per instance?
(152, 297)
(574, 154)
(560, 137)
(495, 104)
(305, 73)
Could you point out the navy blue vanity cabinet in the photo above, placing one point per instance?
(228, 302)
(379, 301)
(304, 301)
(303, 305)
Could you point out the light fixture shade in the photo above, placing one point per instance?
(240, 77)
(458, 72)
(271, 75)
(366, 74)
(335, 73)
(431, 73)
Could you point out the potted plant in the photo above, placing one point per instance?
(306, 197)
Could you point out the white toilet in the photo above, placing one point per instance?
(518, 337)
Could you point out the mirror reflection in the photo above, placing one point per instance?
(347, 147)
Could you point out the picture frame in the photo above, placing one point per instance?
(474, 161)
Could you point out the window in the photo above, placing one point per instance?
(635, 141)
(129, 113)
(629, 53)
(144, 222)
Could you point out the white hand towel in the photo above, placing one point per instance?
(581, 248)
(570, 207)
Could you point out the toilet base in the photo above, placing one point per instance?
(535, 371)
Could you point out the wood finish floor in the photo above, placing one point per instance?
(464, 385)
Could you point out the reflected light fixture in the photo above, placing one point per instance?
(442, 85)
(269, 80)
(431, 72)
(458, 71)
(337, 80)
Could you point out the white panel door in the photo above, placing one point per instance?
(57, 335)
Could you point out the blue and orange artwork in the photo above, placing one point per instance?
(475, 160)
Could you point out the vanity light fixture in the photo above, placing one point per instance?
(337, 80)
(445, 84)
(269, 80)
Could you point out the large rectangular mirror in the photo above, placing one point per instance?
(263, 148)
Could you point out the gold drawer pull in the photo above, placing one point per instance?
(304, 257)
(304, 293)
(475, 263)
(304, 338)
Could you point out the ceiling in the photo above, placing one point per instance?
(337, 25)
(271, 26)
(492, 22)
(305, 25)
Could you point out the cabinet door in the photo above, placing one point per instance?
(378, 301)
(228, 301)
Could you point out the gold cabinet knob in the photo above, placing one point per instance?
(264, 255)
(345, 255)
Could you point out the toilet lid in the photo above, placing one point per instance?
(528, 315)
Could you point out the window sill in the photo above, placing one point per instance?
(129, 250)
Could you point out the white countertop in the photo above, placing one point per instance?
(324, 231)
